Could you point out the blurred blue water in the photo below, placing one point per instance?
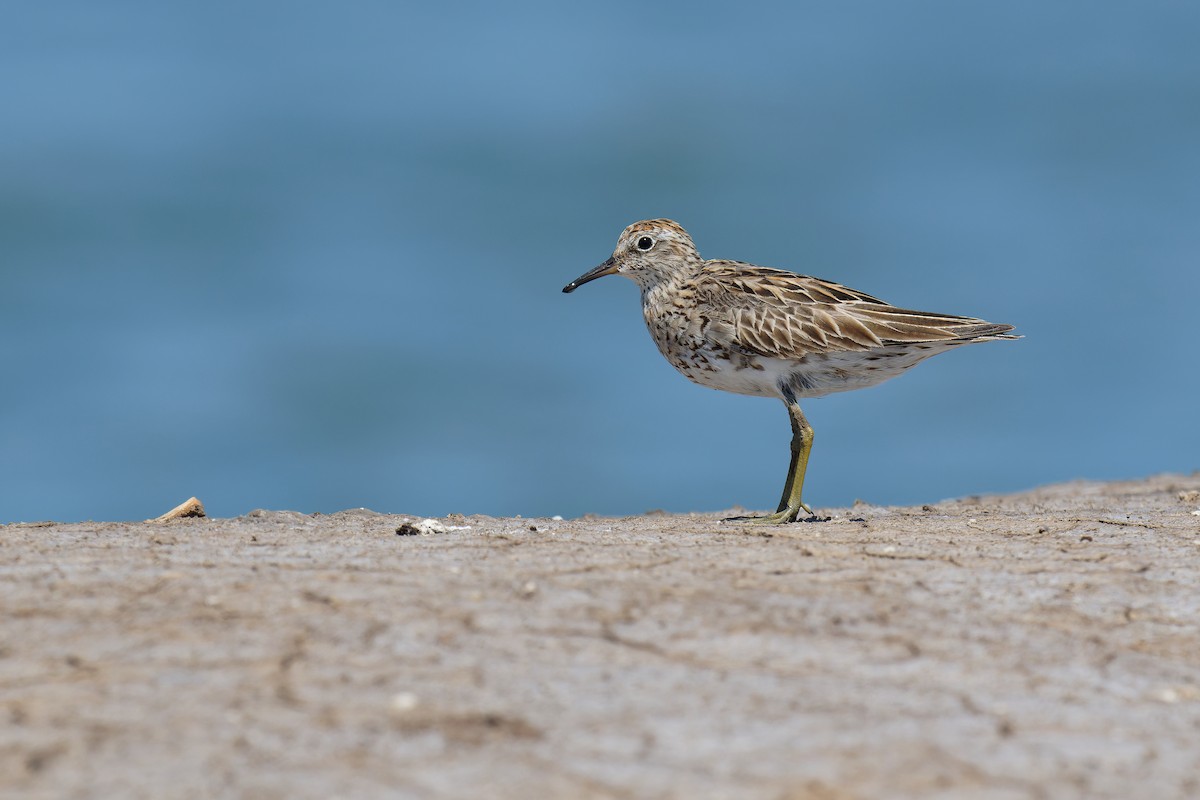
(311, 257)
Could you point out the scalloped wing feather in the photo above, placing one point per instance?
(791, 316)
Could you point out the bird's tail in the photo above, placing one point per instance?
(984, 331)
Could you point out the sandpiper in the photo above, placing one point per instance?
(772, 333)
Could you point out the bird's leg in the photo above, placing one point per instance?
(791, 473)
(802, 438)
(790, 505)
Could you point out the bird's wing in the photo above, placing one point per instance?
(777, 313)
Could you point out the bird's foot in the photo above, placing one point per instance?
(781, 517)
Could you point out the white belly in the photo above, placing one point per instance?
(813, 376)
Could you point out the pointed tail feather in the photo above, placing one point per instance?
(986, 330)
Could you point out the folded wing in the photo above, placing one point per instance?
(781, 314)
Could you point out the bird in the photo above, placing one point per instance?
(768, 332)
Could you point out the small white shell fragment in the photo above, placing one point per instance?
(429, 526)
(403, 702)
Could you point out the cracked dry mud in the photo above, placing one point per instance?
(1045, 644)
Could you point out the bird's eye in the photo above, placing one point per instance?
(645, 243)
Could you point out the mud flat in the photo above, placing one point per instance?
(1045, 644)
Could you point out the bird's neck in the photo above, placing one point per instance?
(658, 284)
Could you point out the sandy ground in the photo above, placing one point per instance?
(1039, 645)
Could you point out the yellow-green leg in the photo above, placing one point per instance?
(790, 505)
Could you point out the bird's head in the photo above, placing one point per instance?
(647, 253)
